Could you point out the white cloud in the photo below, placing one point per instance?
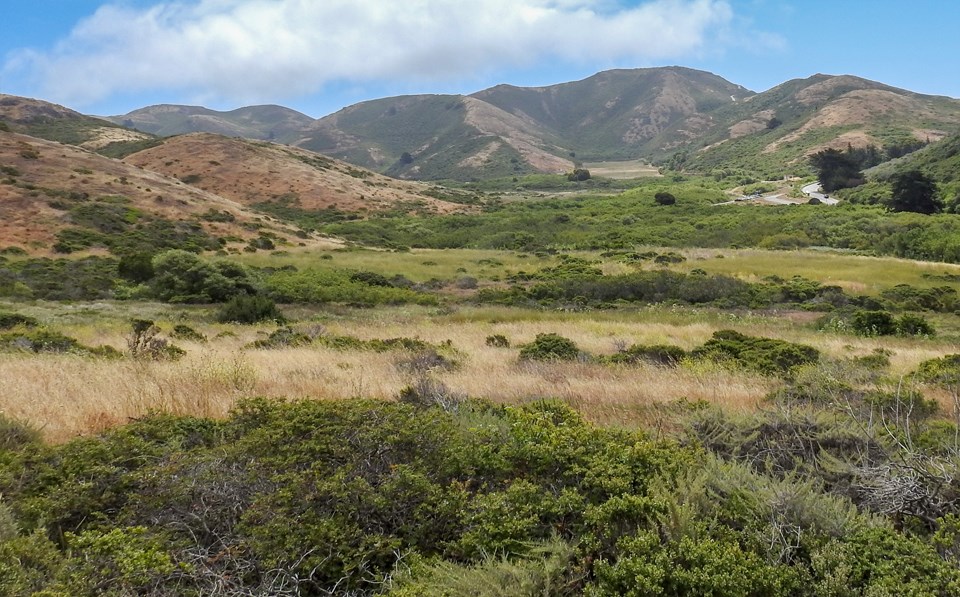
(253, 50)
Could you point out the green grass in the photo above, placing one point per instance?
(868, 275)
(418, 265)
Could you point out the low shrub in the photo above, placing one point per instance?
(39, 340)
(184, 332)
(249, 309)
(873, 323)
(12, 320)
(549, 347)
(376, 344)
(914, 325)
(498, 340)
(657, 354)
(765, 355)
(14, 435)
(285, 337)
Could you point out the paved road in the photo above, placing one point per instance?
(812, 190)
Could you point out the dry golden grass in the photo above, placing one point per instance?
(68, 395)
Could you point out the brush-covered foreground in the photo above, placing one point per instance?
(457, 497)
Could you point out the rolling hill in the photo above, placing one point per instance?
(48, 187)
(53, 122)
(252, 173)
(269, 123)
(685, 118)
(204, 190)
(774, 131)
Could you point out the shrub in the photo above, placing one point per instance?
(549, 347)
(664, 198)
(873, 323)
(14, 435)
(248, 309)
(136, 267)
(765, 355)
(370, 279)
(285, 337)
(657, 354)
(144, 342)
(40, 340)
(12, 320)
(913, 325)
(184, 332)
(498, 340)
(183, 277)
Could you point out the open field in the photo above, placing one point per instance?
(855, 273)
(622, 170)
(69, 395)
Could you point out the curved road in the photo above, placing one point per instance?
(812, 190)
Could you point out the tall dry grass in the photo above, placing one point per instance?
(68, 395)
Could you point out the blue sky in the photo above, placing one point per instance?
(317, 56)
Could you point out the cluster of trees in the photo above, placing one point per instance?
(911, 191)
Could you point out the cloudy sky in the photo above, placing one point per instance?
(112, 56)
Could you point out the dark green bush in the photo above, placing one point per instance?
(664, 198)
(549, 347)
(39, 340)
(182, 331)
(283, 338)
(249, 309)
(183, 277)
(873, 323)
(765, 355)
(913, 325)
(370, 278)
(12, 320)
(136, 267)
(657, 354)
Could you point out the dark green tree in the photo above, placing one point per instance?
(914, 191)
(836, 170)
(664, 198)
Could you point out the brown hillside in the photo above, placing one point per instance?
(251, 172)
(519, 133)
(862, 108)
(35, 173)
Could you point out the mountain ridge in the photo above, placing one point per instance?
(675, 116)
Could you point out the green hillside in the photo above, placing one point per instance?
(423, 136)
(622, 114)
(50, 121)
(273, 123)
(782, 126)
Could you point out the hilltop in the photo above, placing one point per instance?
(54, 122)
(268, 123)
